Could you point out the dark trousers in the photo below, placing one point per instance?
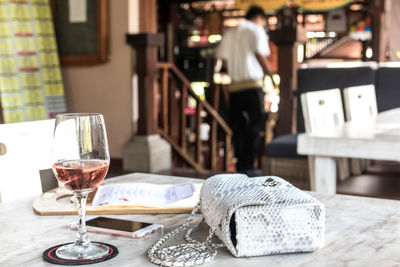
(246, 119)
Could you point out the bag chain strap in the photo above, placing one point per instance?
(186, 254)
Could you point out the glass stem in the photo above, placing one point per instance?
(82, 239)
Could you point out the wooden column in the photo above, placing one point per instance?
(285, 38)
(286, 58)
(379, 38)
(146, 151)
(148, 16)
(146, 46)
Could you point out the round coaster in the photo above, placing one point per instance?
(50, 256)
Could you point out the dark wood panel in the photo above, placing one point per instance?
(82, 44)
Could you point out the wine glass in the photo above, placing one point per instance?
(81, 160)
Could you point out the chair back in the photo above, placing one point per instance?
(322, 110)
(315, 77)
(27, 147)
(360, 103)
(387, 86)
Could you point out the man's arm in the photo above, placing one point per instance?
(261, 60)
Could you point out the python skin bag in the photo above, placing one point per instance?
(252, 217)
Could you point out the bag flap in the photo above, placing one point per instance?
(222, 194)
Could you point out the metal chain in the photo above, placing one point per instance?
(189, 254)
(208, 241)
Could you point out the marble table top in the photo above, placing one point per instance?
(378, 139)
(359, 232)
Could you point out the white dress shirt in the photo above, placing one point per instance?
(238, 48)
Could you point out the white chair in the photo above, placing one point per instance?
(360, 103)
(361, 107)
(27, 147)
(323, 111)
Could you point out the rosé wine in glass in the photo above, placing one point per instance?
(81, 174)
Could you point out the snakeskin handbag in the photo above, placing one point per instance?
(252, 217)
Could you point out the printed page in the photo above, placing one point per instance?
(147, 195)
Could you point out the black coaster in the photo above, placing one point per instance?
(50, 256)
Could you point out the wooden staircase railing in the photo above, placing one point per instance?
(314, 47)
(176, 123)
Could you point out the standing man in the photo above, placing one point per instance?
(244, 51)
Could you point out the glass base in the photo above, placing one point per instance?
(74, 252)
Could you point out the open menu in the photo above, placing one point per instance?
(147, 195)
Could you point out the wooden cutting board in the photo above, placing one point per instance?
(55, 202)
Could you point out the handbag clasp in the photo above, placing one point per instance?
(270, 182)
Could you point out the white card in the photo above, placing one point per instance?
(77, 11)
(142, 194)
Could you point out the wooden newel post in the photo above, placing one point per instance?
(285, 37)
(146, 46)
(379, 30)
(146, 151)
